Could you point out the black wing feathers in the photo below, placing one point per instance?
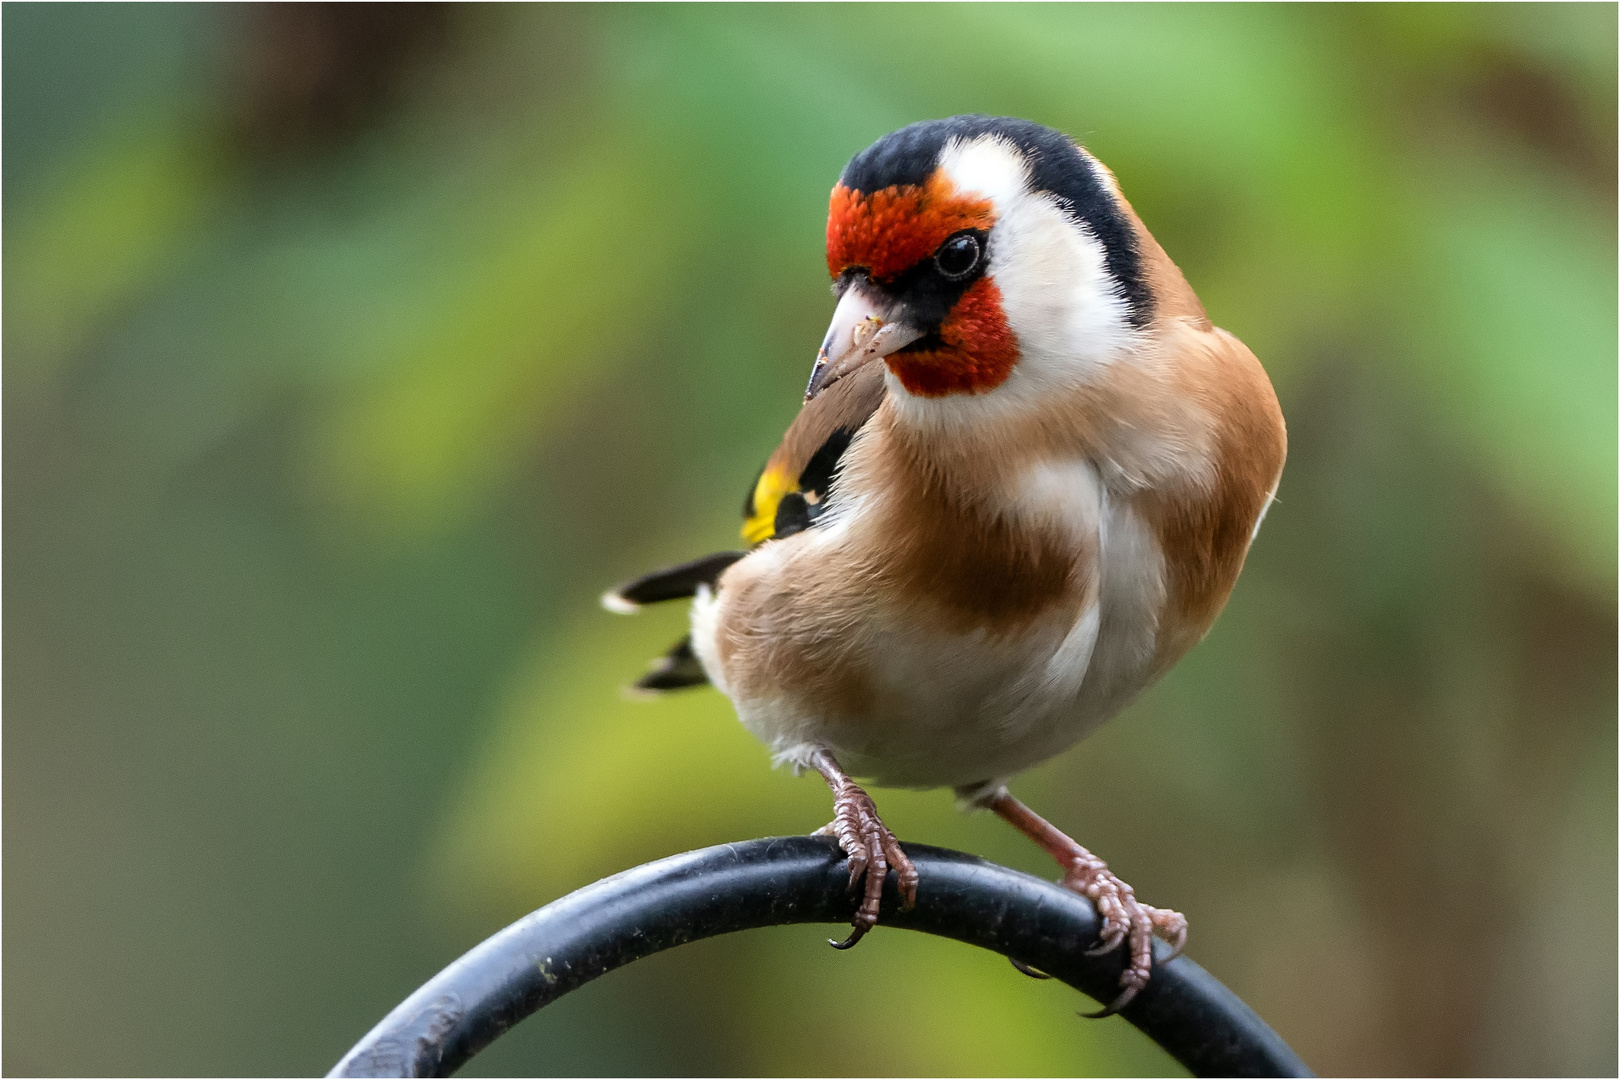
(817, 476)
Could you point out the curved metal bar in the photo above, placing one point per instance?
(799, 879)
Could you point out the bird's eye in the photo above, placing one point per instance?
(959, 255)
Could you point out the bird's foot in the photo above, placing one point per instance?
(1125, 921)
(871, 848)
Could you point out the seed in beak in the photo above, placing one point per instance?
(865, 331)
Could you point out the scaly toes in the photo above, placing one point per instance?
(868, 854)
(904, 870)
(877, 868)
(848, 827)
(1113, 903)
(871, 849)
(1125, 921)
(1169, 925)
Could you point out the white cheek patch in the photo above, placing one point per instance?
(1056, 290)
(1066, 310)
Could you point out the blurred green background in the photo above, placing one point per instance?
(351, 351)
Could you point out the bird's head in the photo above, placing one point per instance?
(980, 256)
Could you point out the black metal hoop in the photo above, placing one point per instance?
(800, 879)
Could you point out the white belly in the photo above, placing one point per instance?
(957, 709)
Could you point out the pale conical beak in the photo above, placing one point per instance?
(863, 329)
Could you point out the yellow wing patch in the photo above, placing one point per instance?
(773, 483)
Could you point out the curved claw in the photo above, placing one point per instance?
(1132, 988)
(1025, 969)
(1107, 943)
(1111, 1008)
(855, 935)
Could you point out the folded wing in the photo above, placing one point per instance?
(788, 497)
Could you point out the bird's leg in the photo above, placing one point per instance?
(871, 847)
(1125, 919)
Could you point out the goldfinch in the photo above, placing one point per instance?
(1022, 485)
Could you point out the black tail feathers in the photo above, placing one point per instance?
(675, 670)
(671, 583)
(678, 668)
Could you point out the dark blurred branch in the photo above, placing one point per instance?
(314, 75)
(789, 880)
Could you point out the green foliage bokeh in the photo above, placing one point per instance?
(332, 404)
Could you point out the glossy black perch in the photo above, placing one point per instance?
(800, 879)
